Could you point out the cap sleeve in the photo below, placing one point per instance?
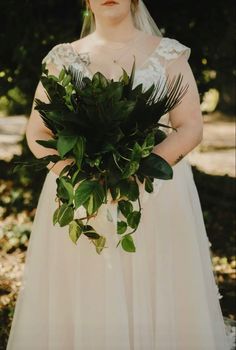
(58, 56)
(171, 49)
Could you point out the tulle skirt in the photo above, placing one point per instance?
(162, 297)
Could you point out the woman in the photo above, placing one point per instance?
(163, 296)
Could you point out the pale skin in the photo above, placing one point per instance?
(114, 27)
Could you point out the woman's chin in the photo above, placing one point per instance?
(112, 15)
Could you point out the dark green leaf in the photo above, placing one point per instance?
(48, 143)
(148, 185)
(125, 207)
(133, 219)
(65, 143)
(156, 166)
(90, 232)
(121, 227)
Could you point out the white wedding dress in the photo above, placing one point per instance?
(162, 297)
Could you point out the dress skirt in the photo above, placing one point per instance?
(162, 297)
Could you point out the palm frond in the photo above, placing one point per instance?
(77, 77)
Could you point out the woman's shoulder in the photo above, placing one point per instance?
(171, 48)
(167, 47)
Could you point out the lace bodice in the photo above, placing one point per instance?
(153, 68)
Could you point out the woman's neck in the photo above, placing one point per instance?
(120, 32)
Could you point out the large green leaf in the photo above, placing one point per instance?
(65, 143)
(89, 188)
(95, 200)
(156, 166)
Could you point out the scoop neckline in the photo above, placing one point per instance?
(136, 69)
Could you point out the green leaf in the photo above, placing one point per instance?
(156, 166)
(65, 143)
(62, 74)
(55, 216)
(125, 207)
(130, 169)
(121, 227)
(65, 215)
(127, 243)
(148, 145)
(136, 152)
(65, 170)
(36, 164)
(65, 189)
(86, 189)
(78, 150)
(133, 190)
(133, 219)
(66, 80)
(159, 136)
(90, 232)
(75, 230)
(100, 244)
(48, 143)
(95, 200)
(148, 185)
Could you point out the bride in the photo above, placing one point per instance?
(163, 296)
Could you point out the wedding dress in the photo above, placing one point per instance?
(162, 297)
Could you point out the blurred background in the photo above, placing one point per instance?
(29, 29)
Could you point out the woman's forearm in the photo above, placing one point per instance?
(40, 151)
(179, 143)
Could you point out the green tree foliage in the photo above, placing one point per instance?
(32, 28)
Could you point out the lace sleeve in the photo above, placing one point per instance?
(171, 49)
(58, 56)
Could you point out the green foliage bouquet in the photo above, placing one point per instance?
(108, 129)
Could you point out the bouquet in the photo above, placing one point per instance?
(108, 129)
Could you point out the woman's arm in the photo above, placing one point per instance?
(186, 118)
(36, 130)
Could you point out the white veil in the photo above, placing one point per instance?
(141, 17)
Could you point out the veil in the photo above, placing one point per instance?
(141, 17)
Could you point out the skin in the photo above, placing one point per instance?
(114, 28)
